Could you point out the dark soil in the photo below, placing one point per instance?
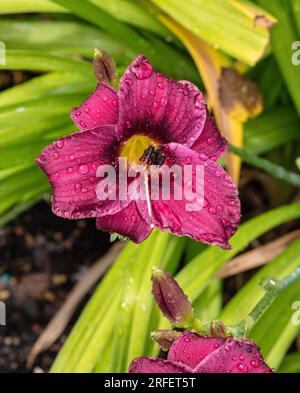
(41, 258)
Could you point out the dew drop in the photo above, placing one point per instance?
(83, 169)
(203, 157)
(82, 124)
(242, 367)
(212, 210)
(56, 155)
(161, 85)
(72, 157)
(77, 187)
(142, 69)
(163, 101)
(59, 144)
(198, 101)
(254, 363)
(133, 218)
(227, 348)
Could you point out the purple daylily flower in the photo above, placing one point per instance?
(149, 110)
(192, 353)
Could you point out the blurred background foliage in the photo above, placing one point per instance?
(48, 70)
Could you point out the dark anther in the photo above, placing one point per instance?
(153, 156)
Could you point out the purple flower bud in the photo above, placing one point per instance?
(170, 298)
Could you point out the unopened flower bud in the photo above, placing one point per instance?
(170, 298)
(165, 338)
(104, 67)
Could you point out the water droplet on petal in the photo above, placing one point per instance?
(142, 68)
(254, 363)
(198, 101)
(203, 157)
(77, 187)
(56, 155)
(133, 218)
(212, 210)
(242, 367)
(59, 144)
(83, 169)
(82, 124)
(72, 157)
(161, 85)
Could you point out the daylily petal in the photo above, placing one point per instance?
(127, 222)
(71, 164)
(235, 356)
(100, 108)
(190, 348)
(157, 366)
(210, 142)
(152, 104)
(217, 221)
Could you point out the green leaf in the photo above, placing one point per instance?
(59, 36)
(273, 169)
(291, 363)
(295, 6)
(250, 294)
(42, 61)
(47, 85)
(132, 13)
(20, 6)
(282, 36)
(208, 305)
(119, 310)
(272, 129)
(274, 332)
(240, 36)
(195, 277)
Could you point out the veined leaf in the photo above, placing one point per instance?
(53, 83)
(42, 61)
(132, 13)
(83, 349)
(245, 28)
(73, 38)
